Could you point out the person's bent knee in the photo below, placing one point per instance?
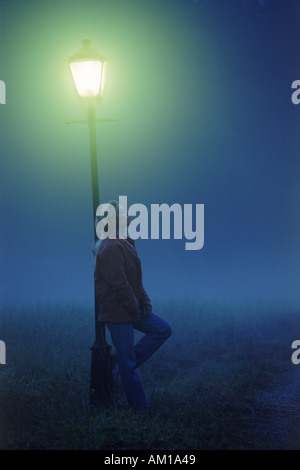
(167, 331)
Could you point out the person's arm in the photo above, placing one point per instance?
(145, 300)
(146, 305)
(111, 265)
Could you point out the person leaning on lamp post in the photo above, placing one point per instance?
(124, 306)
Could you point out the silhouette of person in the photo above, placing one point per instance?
(124, 306)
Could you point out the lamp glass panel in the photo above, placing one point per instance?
(87, 77)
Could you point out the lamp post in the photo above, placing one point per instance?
(88, 69)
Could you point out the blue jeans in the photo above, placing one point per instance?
(131, 356)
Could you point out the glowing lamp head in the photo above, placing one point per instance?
(88, 69)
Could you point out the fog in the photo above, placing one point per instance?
(202, 93)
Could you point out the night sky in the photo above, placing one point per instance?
(202, 93)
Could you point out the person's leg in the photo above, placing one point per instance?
(122, 335)
(157, 331)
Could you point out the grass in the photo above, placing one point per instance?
(203, 384)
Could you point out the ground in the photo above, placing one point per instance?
(224, 380)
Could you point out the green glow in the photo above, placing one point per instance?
(103, 77)
(144, 88)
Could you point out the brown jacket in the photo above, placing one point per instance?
(118, 282)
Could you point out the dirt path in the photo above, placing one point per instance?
(278, 419)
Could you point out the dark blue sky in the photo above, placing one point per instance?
(202, 90)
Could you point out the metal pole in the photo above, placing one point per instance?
(101, 379)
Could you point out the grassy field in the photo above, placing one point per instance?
(204, 384)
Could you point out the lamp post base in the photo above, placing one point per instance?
(102, 380)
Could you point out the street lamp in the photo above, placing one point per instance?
(89, 69)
